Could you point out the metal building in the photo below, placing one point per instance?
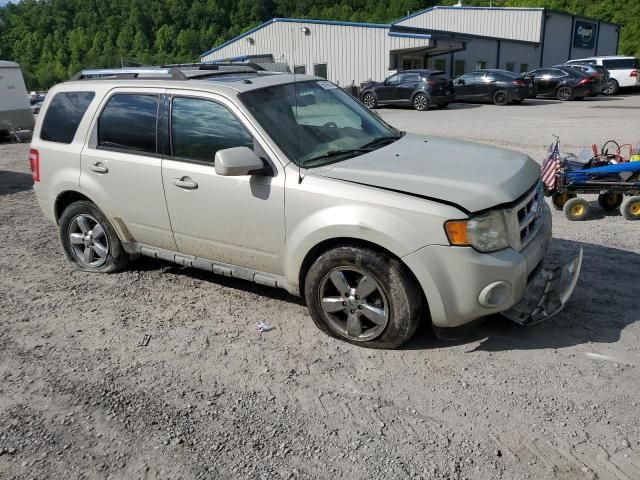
(454, 39)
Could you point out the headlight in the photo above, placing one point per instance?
(486, 232)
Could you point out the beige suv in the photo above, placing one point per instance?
(288, 181)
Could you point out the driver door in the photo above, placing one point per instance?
(237, 220)
(464, 86)
(388, 91)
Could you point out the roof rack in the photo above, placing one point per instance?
(172, 72)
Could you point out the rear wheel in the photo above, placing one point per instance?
(630, 208)
(370, 100)
(611, 88)
(576, 209)
(559, 199)
(610, 201)
(564, 93)
(421, 102)
(363, 297)
(89, 240)
(501, 97)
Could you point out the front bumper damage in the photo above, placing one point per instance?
(546, 294)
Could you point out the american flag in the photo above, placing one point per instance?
(550, 167)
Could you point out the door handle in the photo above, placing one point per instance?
(185, 183)
(98, 168)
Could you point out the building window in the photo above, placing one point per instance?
(511, 67)
(481, 65)
(524, 67)
(440, 64)
(458, 68)
(320, 70)
(300, 69)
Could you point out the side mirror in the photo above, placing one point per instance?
(460, 82)
(236, 161)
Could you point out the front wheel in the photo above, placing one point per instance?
(576, 209)
(370, 100)
(559, 199)
(564, 93)
(421, 102)
(89, 240)
(363, 297)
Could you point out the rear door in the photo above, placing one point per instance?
(232, 220)
(121, 166)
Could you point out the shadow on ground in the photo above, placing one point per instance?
(603, 304)
(13, 182)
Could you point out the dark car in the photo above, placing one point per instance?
(498, 86)
(599, 75)
(562, 83)
(419, 88)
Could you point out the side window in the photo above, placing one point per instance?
(411, 77)
(199, 128)
(394, 79)
(64, 115)
(129, 122)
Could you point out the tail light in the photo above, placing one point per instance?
(433, 83)
(34, 164)
(584, 81)
(519, 83)
(634, 73)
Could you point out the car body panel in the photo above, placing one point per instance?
(480, 85)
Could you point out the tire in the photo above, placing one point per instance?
(576, 209)
(500, 97)
(564, 93)
(611, 88)
(610, 201)
(392, 299)
(104, 250)
(630, 208)
(559, 199)
(369, 100)
(442, 106)
(420, 102)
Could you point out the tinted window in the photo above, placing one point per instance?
(394, 79)
(620, 64)
(472, 77)
(64, 115)
(411, 77)
(199, 128)
(129, 122)
(439, 76)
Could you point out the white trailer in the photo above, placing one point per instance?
(15, 111)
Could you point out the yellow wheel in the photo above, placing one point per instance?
(576, 209)
(559, 199)
(630, 208)
(610, 201)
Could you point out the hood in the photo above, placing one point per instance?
(468, 175)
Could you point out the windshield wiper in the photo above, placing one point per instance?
(380, 141)
(337, 153)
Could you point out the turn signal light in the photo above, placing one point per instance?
(34, 164)
(457, 232)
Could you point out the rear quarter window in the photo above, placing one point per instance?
(620, 64)
(64, 115)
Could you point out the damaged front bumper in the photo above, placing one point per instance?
(546, 294)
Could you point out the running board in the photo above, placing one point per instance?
(200, 263)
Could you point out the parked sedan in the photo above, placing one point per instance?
(599, 75)
(498, 86)
(419, 88)
(562, 83)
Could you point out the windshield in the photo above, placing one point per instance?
(324, 125)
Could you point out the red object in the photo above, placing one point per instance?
(634, 73)
(585, 80)
(34, 164)
(519, 83)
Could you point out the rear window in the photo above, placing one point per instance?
(129, 122)
(64, 115)
(440, 76)
(621, 64)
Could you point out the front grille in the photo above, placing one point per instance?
(526, 217)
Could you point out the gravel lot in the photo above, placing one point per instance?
(210, 397)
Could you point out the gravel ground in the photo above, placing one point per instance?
(210, 397)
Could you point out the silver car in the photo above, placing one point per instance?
(290, 182)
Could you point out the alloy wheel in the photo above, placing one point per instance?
(500, 97)
(369, 100)
(354, 304)
(564, 93)
(88, 241)
(420, 102)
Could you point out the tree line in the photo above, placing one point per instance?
(53, 39)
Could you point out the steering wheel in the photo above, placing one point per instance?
(331, 125)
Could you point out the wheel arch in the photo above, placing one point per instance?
(66, 198)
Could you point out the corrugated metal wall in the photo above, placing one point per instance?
(515, 24)
(352, 53)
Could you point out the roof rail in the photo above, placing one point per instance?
(184, 71)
